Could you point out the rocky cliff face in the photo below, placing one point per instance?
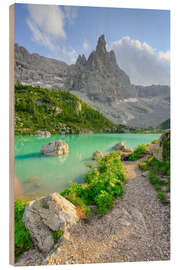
(35, 70)
(100, 82)
(99, 76)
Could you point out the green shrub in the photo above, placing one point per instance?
(22, 238)
(102, 185)
(139, 152)
(73, 195)
(166, 150)
(156, 181)
(104, 201)
(154, 141)
(143, 166)
(160, 195)
(56, 235)
(159, 167)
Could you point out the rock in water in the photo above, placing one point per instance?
(97, 155)
(120, 146)
(42, 133)
(56, 148)
(46, 215)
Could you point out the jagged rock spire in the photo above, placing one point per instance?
(101, 46)
(81, 60)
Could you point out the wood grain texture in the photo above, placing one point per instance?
(11, 134)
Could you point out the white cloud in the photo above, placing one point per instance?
(141, 62)
(165, 55)
(39, 36)
(70, 13)
(49, 19)
(47, 26)
(86, 46)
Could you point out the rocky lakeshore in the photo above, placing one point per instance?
(135, 228)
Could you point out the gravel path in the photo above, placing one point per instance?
(136, 229)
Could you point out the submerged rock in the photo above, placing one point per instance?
(97, 155)
(42, 133)
(46, 215)
(56, 148)
(120, 146)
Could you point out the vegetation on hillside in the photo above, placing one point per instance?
(55, 111)
(165, 124)
(102, 185)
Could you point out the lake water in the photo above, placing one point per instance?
(40, 174)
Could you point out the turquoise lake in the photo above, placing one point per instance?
(40, 174)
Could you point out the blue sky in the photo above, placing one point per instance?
(140, 38)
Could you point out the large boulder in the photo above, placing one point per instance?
(42, 133)
(121, 146)
(46, 215)
(56, 148)
(161, 150)
(97, 155)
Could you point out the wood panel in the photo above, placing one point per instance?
(11, 134)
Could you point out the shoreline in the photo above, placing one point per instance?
(34, 194)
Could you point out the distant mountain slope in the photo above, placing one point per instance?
(33, 69)
(55, 111)
(165, 124)
(152, 91)
(100, 82)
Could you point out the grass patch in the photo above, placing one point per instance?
(143, 166)
(45, 206)
(56, 235)
(139, 152)
(157, 169)
(22, 239)
(103, 185)
(154, 141)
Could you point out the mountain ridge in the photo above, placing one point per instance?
(100, 82)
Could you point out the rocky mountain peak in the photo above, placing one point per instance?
(100, 82)
(100, 76)
(101, 46)
(81, 60)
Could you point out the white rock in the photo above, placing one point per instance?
(56, 148)
(97, 154)
(120, 146)
(42, 133)
(47, 214)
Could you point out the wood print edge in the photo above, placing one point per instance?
(11, 135)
